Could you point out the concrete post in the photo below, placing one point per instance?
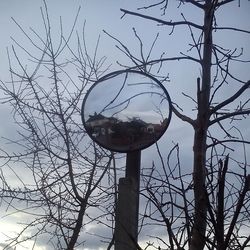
(126, 228)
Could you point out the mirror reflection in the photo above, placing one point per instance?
(126, 111)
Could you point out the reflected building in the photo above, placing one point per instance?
(134, 133)
(99, 125)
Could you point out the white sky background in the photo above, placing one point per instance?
(105, 14)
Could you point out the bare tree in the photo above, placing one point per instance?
(59, 174)
(207, 207)
(216, 214)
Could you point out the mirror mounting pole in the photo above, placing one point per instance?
(127, 209)
(133, 162)
(126, 111)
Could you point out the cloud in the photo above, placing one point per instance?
(6, 247)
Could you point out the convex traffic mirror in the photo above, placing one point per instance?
(126, 111)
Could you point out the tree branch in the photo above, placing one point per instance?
(230, 99)
(224, 2)
(225, 141)
(236, 113)
(183, 117)
(231, 29)
(195, 3)
(239, 206)
(160, 20)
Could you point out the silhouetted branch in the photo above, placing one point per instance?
(160, 21)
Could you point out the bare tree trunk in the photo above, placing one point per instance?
(199, 148)
(78, 226)
(220, 207)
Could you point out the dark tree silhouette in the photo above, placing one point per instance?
(59, 174)
(216, 214)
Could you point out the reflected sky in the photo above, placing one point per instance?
(126, 96)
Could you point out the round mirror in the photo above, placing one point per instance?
(126, 111)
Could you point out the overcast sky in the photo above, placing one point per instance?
(105, 15)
